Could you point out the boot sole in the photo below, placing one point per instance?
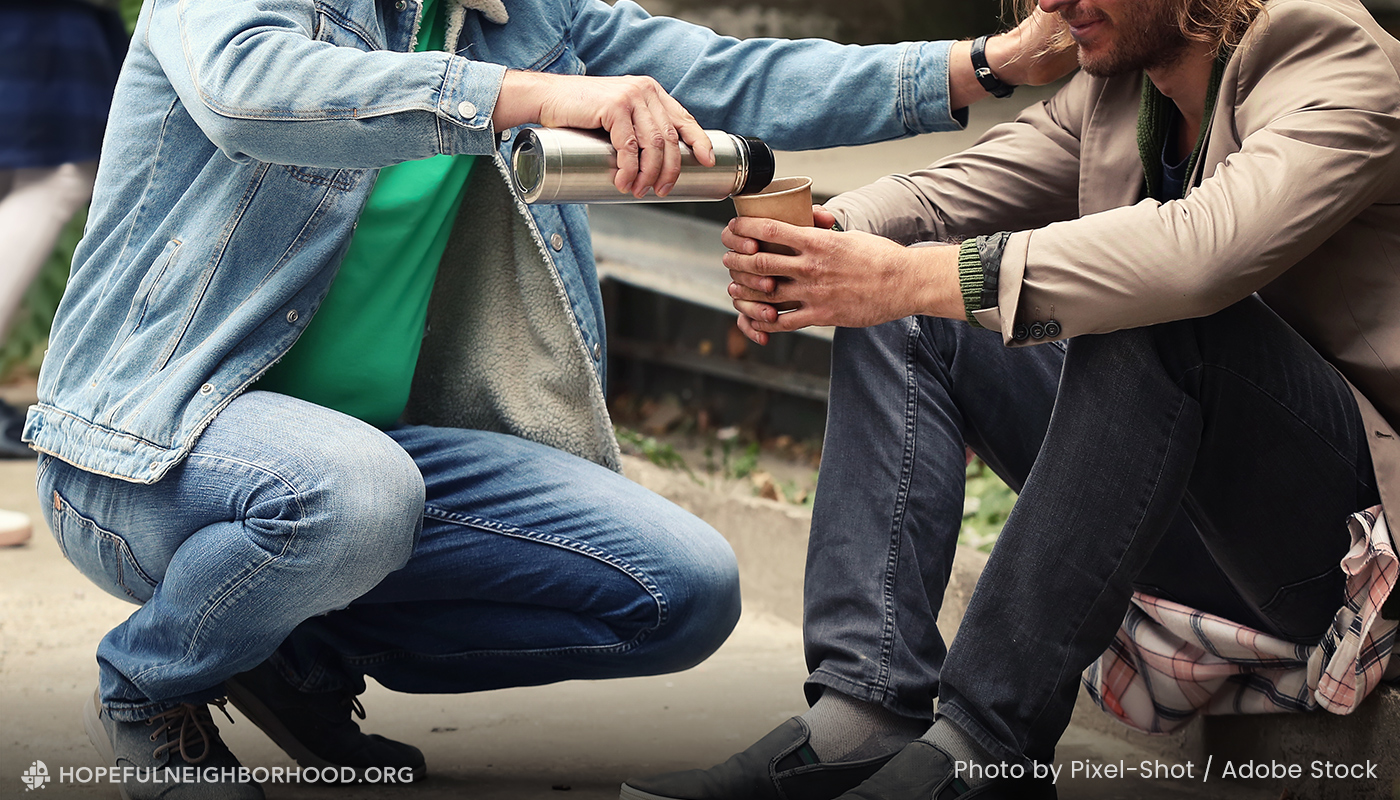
(97, 734)
(260, 715)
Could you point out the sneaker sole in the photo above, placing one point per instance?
(260, 715)
(97, 734)
(628, 793)
(16, 536)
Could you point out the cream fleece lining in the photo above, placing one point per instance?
(493, 10)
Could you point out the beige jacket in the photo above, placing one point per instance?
(1299, 200)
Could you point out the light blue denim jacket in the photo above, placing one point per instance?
(246, 135)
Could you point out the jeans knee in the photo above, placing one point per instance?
(372, 510)
(1135, 350)
(703, 603)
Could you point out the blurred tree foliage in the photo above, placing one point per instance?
(130, 8)
(986, 506)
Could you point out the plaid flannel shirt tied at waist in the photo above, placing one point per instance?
(1170, 662)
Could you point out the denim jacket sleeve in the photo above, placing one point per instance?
(262, 81)
(796, 94)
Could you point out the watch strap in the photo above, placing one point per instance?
(983, 71)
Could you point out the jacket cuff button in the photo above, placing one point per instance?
(1020, 333)
(1052, 329)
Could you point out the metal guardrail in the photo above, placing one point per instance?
(671, 327)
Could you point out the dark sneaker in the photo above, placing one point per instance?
(780, 766)
(160, 748)
(11, 425)
(315, 728)
(922, 771)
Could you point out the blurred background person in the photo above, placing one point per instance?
(58, 64)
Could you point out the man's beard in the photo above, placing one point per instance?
(1148, 39)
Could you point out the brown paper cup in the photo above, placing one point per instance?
(786, 200)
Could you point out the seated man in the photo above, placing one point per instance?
(444, 519)
(1170, 325)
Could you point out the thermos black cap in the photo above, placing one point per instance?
(761, 165)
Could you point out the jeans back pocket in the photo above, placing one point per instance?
(101, 555)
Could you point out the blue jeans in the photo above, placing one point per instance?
(432, 559)
(1210, 461)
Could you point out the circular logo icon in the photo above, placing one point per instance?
(36, 776)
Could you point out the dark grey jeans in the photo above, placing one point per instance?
(1211, 461)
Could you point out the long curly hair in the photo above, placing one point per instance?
(1218, 23)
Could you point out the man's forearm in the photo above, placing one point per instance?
(938, 271)
(963, 87)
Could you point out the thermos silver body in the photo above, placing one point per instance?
(566, 165)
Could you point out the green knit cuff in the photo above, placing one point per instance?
(970, 279)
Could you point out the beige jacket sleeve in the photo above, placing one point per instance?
(1019, 175)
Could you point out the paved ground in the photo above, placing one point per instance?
(576, 740)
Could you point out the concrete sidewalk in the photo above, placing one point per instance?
(569, 740)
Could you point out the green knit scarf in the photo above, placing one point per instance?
(1153, 115)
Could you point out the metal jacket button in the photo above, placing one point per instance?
(597, 350)
(557, 242)
(466, 109)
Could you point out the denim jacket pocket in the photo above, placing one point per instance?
(333, 25)
(343, 180)
(102, 556)
(149, 287)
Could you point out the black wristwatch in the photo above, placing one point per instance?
(983, 70)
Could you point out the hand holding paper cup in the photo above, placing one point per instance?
(786, 200)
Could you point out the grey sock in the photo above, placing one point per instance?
(846, 729)
(950, 739)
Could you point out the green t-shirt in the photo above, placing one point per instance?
(358, 354)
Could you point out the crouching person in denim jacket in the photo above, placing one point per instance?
(325, 398)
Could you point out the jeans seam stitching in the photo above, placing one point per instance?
(554, 540)
(200, 626)
(215, 603)
(911, 396)
(399, 655)
(874, 694)
(124, 553)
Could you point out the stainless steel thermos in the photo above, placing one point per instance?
(565, 165)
